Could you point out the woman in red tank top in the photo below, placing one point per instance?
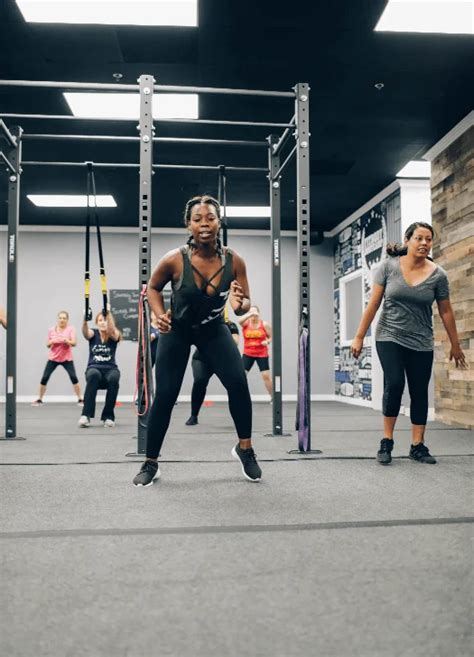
(257, 336)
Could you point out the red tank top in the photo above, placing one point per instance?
(253, 338)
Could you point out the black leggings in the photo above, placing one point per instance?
(201, 375)
(219, 350)
(398, 361)
(51, 365)
(104, 380)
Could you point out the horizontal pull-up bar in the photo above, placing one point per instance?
(172, 140)
(129, 165)
(160, 88)
(285, 163)
(70, 117)
(6, 134)
(223, 91)
(7, 162)
(47, 84)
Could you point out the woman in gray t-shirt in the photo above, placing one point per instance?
(409, 282)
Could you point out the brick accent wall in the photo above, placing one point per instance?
(452, 196)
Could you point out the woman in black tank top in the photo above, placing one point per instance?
(203, 276)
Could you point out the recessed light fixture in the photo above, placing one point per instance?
(248, 211)
(127, 106)
(379, 86)
(440, 16)
(415, 169)
(111, 12)
(70, 201)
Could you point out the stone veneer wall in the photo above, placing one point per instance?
(452, 196)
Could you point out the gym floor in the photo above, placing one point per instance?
(330, 555)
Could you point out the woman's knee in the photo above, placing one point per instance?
(165, 396)
(93, 376)
(394, 387)
(236, 382)
(114, 377)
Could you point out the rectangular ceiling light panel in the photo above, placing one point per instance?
(111, 12)
(415, 169)
(248, 211)
(127, 106)
(70, 201)
(440, 16)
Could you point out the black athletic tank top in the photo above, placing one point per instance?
(191, 306)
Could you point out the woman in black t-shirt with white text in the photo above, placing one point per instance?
(102, 371)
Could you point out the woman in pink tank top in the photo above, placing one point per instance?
(61, 339)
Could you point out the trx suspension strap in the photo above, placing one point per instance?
(304, 401)
(91, 193)
(304, 441)
(144, 379)
(222, 198)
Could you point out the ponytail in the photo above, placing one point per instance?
(396, 250)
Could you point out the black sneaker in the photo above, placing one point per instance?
(421, 453)
(192, 420)
(250, 468)
(38, 402)
(148, 473)
(384, 455)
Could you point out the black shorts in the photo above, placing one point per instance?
(263, 364)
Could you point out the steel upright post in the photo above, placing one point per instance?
(14, 156)
(303, 233)
(146, 130)
(275, 227)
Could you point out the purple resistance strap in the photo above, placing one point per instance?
(302, 409)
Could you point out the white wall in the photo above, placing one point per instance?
(415, 201)
(50, 278)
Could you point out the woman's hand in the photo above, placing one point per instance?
(356, 346)
(164, 322)
(457, 354)
(237, 296)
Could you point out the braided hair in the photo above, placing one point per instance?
(207, 199)
(396, 250)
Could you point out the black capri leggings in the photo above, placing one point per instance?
(201, 375)
(51, 365)
(398, 361)
(220, 352)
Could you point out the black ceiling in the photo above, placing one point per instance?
(360, 136)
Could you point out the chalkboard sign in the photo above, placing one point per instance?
(124, 307)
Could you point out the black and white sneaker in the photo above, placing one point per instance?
(250, 468)
(384, 455)
(421, 453)
(148, 473)
(37, 402)
(192, 420)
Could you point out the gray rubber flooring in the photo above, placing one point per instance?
(330, 555)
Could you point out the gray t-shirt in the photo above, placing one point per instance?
(406, 317)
